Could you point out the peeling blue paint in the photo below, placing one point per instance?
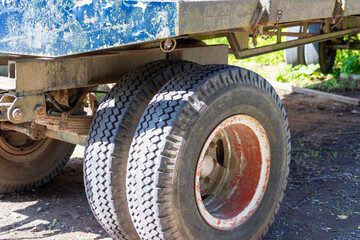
(62, 27)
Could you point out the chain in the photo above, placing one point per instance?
(256, 29)
(279, 16)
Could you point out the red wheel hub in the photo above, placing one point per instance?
(232, 172)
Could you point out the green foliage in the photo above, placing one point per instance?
(347, 61)
(335, 84)
(351, 65)
(300, 75)
(266, 59)
(215, 41)
(343, 54)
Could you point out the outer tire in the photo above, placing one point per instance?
(327, 58)
(170, 136)
(109, 140)
(26, 168)
(294, 56)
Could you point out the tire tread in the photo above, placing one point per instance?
(162, 125)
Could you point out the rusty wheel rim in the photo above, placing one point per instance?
(232, 172)
(18, 144)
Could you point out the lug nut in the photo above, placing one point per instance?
(40, 111)
(17, 114)
(207, 180)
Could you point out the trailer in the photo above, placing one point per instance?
(183, 146)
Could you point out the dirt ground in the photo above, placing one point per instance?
(322, 200)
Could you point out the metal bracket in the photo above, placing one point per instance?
(21, 108)
(239, 41)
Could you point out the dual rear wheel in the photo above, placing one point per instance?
(175, 151)
(312, 53)
(181, 151)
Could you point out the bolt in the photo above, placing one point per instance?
(168, 44)
(207, 180)
(40, 111)
(17, 114)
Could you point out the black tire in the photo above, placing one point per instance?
(26, 164)
(318, 53)
(327, 57)
(109, 140)
(294, 56)
(170, 136)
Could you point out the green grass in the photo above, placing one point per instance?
(272, 66)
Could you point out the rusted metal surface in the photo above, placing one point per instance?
(35, 132)
(62, 97)
(17, 141)
(69, 129)
(229, 191)
(40, 111)
(16, 128)
(79, 125)
(39, 134)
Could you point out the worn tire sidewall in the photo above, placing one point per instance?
(39, 163)
(226, 102)
(326, 61)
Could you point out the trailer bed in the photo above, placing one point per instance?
(65, 27)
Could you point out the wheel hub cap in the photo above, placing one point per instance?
(232, 172)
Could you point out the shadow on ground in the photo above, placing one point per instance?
(58, 210)
(321, 201)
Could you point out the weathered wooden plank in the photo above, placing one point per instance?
(312, 92)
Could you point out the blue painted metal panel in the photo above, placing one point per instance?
(61, 27)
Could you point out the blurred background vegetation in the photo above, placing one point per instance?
(272, 66)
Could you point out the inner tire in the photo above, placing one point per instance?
(294, 56)
(318, 52)
(169, 141)
(312, 50)
(109, 140)
(26, 164)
